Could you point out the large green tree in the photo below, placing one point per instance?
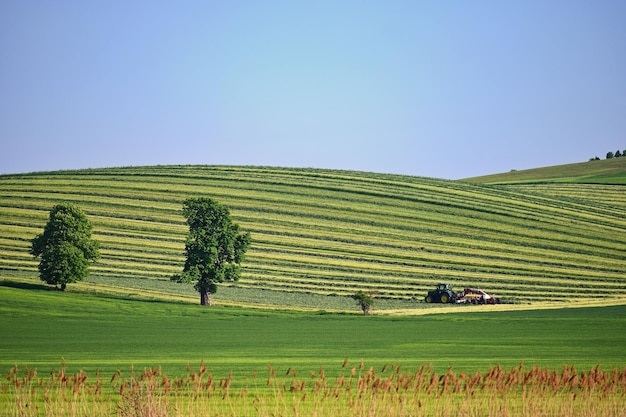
(214, 249)
(65, 246)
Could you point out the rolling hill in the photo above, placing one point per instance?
(321, 235)
(608, 171)
(603, 181)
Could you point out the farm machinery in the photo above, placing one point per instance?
(445, 294)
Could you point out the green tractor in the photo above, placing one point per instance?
(442, 294)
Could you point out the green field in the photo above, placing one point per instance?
(543, 244)
(318, 236)
(76, 353)
(40, 328)
(608, 171)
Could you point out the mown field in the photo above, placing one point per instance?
(321, 235)
(77, 353)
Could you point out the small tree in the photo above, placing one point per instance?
(214, 249)
(65, 246)
(609, 155)
(618, 154)
(364, 301)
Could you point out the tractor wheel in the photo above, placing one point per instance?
(428, 299)
(444, 298)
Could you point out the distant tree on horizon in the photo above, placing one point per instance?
(65, 246)
(618, 154)
(610, 155)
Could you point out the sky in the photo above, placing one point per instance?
(438, 88)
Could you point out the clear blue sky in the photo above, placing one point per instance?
(437, 88)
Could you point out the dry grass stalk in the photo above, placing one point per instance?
(354, 392)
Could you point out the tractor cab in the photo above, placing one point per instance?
(443, 293)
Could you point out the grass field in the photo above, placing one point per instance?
(254, 356)
(609, 171)
(287, 339)
(321, 235)
(42, 327)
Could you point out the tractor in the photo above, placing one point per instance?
(442, 294)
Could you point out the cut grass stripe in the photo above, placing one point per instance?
(336, 229)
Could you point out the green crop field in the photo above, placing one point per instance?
(321, 235)
(74, 353)
(41, 328)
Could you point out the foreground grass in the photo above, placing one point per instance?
(86, 354)
(357, 391)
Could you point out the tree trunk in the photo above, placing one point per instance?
(204, 298)
(63, 286)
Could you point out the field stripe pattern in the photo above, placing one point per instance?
(335, 232)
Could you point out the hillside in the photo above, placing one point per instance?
(608, 171)
(319, 235)
(605, 181)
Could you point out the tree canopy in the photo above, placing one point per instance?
(214, 249)
(65, 246)
(364, 301)
(611, 155)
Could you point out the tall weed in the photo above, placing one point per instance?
(356, 391)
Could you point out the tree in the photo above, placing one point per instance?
(618, 154)
(65, 246)
(214, 249)
(609, 155)
(364, 300)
